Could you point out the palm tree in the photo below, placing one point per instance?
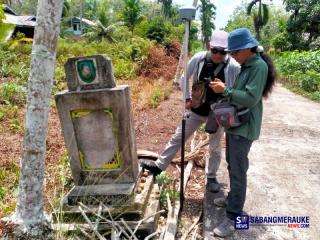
(208, 13)
(131, 13)
(104, 28)
(261, 18)
(166, 8)
(101, 31)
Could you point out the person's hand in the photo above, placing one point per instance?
(188, 104)
(217, 85)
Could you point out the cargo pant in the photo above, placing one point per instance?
(173, 146)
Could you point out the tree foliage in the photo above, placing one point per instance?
(131, 13)
(260, 15)
(166, 8)
(5, 29)
(239, 19)
(273, 34)
(303, 26)
(100, 31)
(157, 30)
(208, 13)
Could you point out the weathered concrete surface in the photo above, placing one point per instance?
(104, 73)
(88, 138)
(284, 172)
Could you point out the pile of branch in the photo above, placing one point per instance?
(198, 151)
(119, 229)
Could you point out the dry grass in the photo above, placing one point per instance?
(158, 64)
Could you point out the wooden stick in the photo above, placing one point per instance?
(113, 224)
(129, 229)
(171, 226)
(185, 235)
(193, 152)
(90, 224)
(98, 219)
(146, 218)
(187, 173)
(195, 234)
(115, 235)
(85, 233)
(151, 236)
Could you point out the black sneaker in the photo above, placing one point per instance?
(150, 166)
(213, 185)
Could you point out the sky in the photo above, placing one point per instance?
(224, 9)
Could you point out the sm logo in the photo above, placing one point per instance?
(241, 222)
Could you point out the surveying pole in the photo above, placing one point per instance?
(187, 14)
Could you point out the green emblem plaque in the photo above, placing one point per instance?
(87, 70)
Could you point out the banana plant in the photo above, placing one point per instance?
(260, 17)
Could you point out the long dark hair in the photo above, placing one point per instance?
(272, 73)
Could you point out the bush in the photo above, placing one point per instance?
(158, 64)
(311, 81)
(173, 48)
(11, 93)
(156, 98)
(301, 72)
(157, 30)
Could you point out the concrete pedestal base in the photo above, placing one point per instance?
(122, 201)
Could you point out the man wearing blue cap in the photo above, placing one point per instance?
(254, 82)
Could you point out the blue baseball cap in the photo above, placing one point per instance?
(241, 38)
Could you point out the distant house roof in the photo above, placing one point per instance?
(22, 21)
(23, 24)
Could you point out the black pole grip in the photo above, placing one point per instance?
(182, 163)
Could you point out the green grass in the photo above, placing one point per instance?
(9, 179)
(156, 97)
(12, 93)
(315, 96)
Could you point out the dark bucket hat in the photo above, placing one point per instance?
(241, 38)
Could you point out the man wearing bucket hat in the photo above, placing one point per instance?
(202, 67)
(254, 82)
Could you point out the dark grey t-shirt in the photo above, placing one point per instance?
(211, 97)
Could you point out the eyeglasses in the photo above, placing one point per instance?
(217, 50)
(234, 52)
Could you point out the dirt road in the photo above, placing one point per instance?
(284, 172)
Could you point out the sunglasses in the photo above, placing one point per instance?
(217, 50)
(234, 52)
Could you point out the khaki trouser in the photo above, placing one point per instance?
(173, 146)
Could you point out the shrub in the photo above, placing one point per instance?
(173, 48)
(157, 30)
(311, 81)
(11, 93)
(156, 98)
(301, 72)
(158, 64)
